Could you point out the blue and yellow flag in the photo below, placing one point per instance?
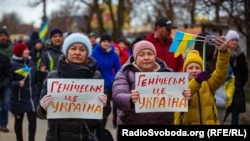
(181, 42)
(44, 30)
(23, 71)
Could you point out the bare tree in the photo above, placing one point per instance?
(117, 17)
(66, 17)
(238, 12)
(35, 3)
(94, 8)
(11, 21)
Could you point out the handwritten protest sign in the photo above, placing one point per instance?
(161, 91)
(75, 98)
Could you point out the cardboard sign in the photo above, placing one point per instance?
(161, 91)
(75, 98)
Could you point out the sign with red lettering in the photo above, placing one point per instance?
(161, 91)
(75, 98)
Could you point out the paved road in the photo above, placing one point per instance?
(42, 125)
(41, 129)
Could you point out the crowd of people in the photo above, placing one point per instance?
(215, 88)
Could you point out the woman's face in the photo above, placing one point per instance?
(122, 45)
(145, 60)
(193, 69)
(77, 54)
(105, 44)
(233, 44)
(26, 53)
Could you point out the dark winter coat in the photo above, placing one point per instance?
(71, 129)
(34, 36)
(50, 57)
(123, 84)
(23, 99)
(5, 73)
(240, 70)
(36, 56)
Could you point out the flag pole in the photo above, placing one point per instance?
(204, 56)
(191, 40)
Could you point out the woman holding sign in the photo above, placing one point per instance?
(125, 95)
(202, 110)
(76, 62)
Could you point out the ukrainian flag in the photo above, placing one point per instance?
(181, 42)
(44, 30)
(23, 71)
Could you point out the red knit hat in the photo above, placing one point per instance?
(18, 49)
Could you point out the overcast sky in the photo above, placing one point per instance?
(27, 14)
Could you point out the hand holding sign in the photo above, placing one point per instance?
(103, 99)
(187, 94)
(134, 95)
(45, 101)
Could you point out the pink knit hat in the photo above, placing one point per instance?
(141, 45)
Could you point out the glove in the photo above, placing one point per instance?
(103, 99)
(203, 76)
(45, 101)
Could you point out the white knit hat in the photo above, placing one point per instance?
(231, 34)
(76, 38)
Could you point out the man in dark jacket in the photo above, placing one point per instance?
(52, 52)
(5, 48)
(5, 43)
(5, 79)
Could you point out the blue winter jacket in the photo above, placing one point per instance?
(108, 64)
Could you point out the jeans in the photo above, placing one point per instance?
(5, 107)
